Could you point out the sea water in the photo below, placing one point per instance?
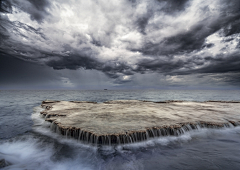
(26, 141)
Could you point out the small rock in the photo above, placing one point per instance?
(3, 163)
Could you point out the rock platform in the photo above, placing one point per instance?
(128, 121)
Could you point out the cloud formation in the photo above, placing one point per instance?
(124, 38)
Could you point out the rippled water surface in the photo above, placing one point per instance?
(26, 141)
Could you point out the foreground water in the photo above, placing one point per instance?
(26, 141)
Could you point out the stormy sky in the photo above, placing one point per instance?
(97, 44)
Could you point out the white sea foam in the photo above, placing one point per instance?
(43, 127)
(25, 154)
(28, 152)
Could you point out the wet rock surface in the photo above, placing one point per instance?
(3, 163)
(128, 121)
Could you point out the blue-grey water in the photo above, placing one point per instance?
(26, 141)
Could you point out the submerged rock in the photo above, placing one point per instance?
(127, 121)
(3, 163)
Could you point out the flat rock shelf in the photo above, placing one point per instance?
(129, 121)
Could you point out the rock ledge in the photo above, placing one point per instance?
(128, 121)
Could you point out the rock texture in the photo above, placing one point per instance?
(127, 121)
(3, 163)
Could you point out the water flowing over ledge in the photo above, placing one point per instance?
(130, 121)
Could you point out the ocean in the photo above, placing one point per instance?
(26, 141)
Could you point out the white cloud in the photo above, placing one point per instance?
(110, 33)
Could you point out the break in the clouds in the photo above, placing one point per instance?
(172, 40)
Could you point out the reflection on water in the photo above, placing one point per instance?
(26, 141)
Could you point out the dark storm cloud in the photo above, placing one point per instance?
(36, 8)
(41, 11)
(171, 37)
(18, 74)
(5, 6)
(193, 39)
(142, 23)
(170, 7)
(233, 79)
(40, 5)
(173, 5)
(73, 63)
(15, 73)
(222, 64)
(159, 65)
(79, 61)
(232, 28)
